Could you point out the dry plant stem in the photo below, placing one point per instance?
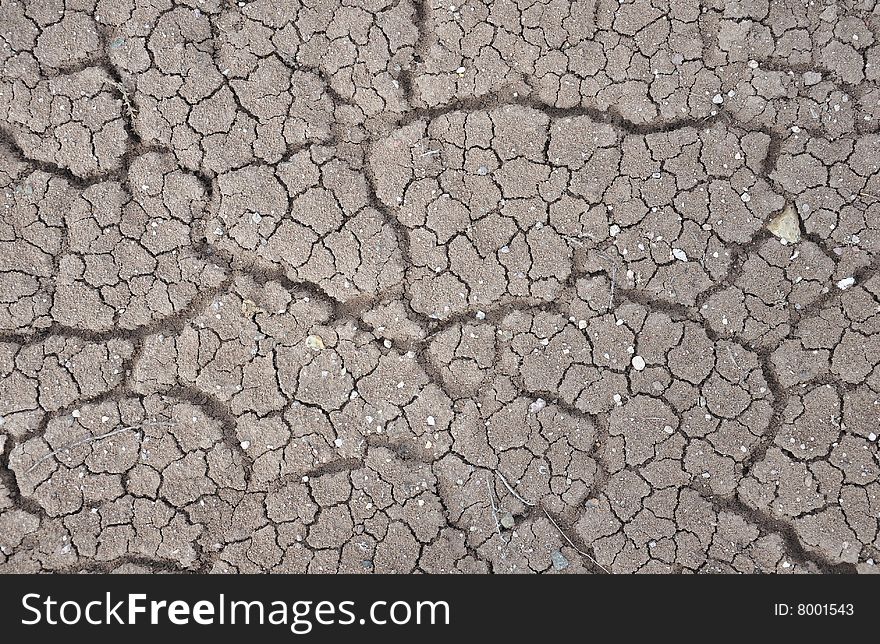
(90, 439)
(494, 508)
(512, 491)
(571, 543)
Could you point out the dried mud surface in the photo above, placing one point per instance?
(422, 286)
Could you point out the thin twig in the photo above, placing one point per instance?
(571, 543)
(89, 439)
(613, 284)
(512, 491)
(494, 509)
(732, 358)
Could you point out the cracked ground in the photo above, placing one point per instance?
(421, 286)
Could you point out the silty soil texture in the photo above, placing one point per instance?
(423, 286)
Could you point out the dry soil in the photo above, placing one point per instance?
(404, 285)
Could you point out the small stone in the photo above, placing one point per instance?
(786, 225)
(537, 406)
(315, 342)
(430, 421)
(718, 99)
(245, 444)
(507, 521)
(249, 308)
(638, 363)
(679, 254)
(846, 283)
(559, 561)
(872, 437)
(812, 78)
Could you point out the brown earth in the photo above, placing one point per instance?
(405, 285)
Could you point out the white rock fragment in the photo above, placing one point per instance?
(786, 225)
(245, 444)
(537, 406)
(315, 342)
(718, 99)
(638, 363)
(430, 421)
(679, 254)
(846, 283)
(812, 78)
